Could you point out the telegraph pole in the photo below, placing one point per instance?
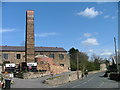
(77, 66)
(116, 56)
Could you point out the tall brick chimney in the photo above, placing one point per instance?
(29, 43)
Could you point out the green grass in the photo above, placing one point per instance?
(53, 78)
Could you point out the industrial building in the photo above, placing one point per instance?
(16, 55)
(26, 54)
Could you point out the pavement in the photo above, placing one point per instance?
(92, 81)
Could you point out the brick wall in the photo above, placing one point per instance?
(29, 45)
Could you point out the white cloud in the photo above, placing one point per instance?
(90, 42)
(106, 53)
(113, 17)
(107, 16)
(87, 34)
(90, 50)
(90, 34)
(89, 12)
(6, 30)
(45, 34)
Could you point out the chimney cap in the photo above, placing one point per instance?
(31, 11)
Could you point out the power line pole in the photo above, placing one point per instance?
(116, 56)
(77, 66)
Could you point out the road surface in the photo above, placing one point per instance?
(33, 83)
(92, 81)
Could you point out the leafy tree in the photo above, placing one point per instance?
(90, 66)
(73, 65)
(97, 61)
(82, 59)
(97, 64)
(73, 62)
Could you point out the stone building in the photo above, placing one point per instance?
(16, 54)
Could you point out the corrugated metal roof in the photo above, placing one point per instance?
(39, 49)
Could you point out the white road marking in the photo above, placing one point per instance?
(79, 85)
(100, 85)
(82, 83)
(75, 86)
(90, 79)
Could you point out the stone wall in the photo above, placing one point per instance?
(12, 57)
(64, 79)
(31, 75)
(73, 76)
(56, 60)
(57, 69)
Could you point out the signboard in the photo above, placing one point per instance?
(10, 65)
(31, 64)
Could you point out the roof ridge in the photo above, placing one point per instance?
(35, 46)
(48, 47)
(22, 48)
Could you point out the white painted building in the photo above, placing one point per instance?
(103, 67)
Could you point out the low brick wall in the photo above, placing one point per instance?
(63, 79)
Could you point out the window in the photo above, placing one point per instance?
(62, 65)
(61, 56)
(18, 56)
(41, 53)
(5, 56)
(51, 56)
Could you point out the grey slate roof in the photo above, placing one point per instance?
(37, 49)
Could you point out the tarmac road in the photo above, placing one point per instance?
(92, 81)
(32, 83)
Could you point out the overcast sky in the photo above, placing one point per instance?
(90, 27)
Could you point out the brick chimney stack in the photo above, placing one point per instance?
(29, 43)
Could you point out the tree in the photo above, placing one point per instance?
(97, 61)
(73, 62)
(82, 59)
(90, 66)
